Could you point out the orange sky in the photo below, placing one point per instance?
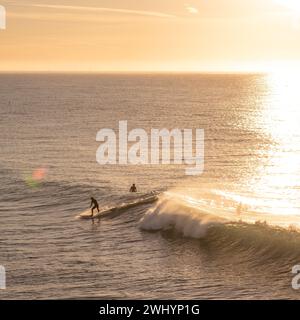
(144, 35)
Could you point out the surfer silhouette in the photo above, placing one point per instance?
(94, 205)
(133, 188)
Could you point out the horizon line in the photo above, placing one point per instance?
(136, 71)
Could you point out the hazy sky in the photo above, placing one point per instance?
(122, 35)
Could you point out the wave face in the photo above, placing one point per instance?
(175, 214)
(223, 230)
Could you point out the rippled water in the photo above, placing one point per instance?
(191, 243)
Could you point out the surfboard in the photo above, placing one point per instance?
(117, 209)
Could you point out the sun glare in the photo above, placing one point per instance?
(291, 4)
(280, 120)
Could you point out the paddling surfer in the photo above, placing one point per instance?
(133, 188)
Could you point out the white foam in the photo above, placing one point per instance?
(172, 212)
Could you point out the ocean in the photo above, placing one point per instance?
(193, 242)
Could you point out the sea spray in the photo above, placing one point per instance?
(173, 213)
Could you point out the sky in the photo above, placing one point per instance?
(150, 35)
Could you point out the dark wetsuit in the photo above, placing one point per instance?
(133, 188)
(95, 205)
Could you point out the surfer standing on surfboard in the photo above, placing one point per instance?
(94, 205)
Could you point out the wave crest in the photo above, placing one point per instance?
(175, 214)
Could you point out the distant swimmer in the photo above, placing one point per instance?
(94, 205)
(239, 209)
(133, 188)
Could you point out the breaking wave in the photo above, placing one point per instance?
(217, 228)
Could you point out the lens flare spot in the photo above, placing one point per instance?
(38, 175)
